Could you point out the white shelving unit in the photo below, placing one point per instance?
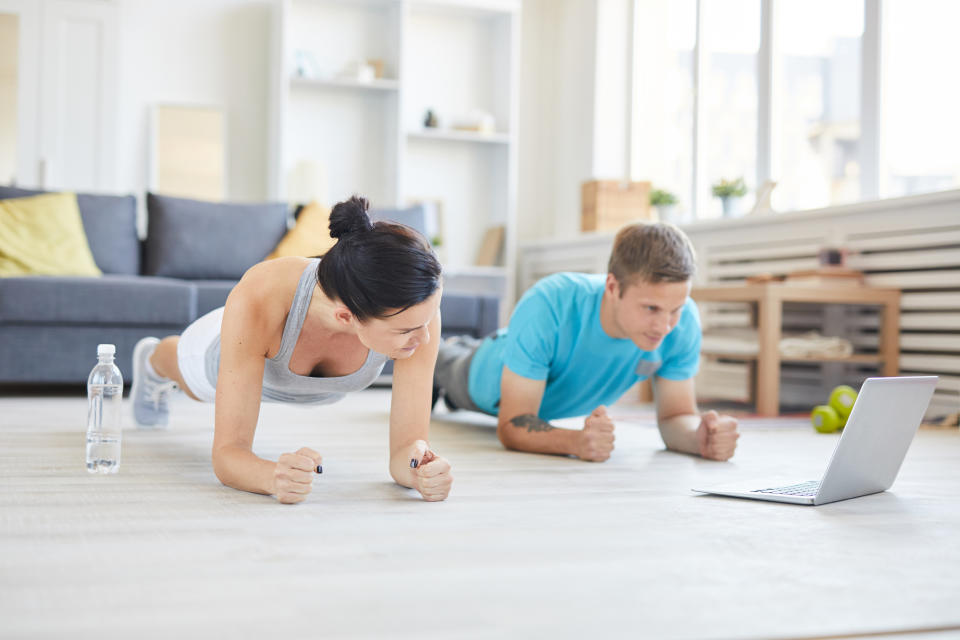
(368, 137)
(338, 83)
(460, 136)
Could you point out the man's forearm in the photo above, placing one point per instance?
(529, 433)
(679, 433)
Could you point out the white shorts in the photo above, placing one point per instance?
(192, 353)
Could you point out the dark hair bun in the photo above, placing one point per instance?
(349, 217)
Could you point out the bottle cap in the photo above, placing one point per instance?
(106, 349)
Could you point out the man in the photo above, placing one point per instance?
(577, 342)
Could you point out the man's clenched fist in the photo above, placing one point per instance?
(596, 439)
(717, 436)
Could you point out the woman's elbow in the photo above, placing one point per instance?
(218, 459)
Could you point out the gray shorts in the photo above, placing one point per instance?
(452, 373)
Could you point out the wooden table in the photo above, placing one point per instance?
(768, 299)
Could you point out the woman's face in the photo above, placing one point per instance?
(398, 336)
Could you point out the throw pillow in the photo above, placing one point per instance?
(209, 240)
(110, 223)
(309, 237)
(43, 235)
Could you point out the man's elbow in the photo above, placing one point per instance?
(669, 441)
(677, 441)
(505, 435)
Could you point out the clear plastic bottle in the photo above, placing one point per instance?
(104, 394)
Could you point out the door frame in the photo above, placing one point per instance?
(28, 165)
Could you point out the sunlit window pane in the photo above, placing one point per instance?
(731, 32)
(920, 128)
(662, 144)
(817, 140)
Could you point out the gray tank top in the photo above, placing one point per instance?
(282, 385)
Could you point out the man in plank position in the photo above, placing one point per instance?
(577, 342)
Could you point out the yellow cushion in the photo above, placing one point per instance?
(310, 236)
(43, 235)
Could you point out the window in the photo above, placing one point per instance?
(920, 130)
(816, 133)
(804, 124)
(731, 39)
(662, 144)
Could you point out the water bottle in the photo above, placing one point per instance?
(104, 393)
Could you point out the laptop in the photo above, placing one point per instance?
(869, 453)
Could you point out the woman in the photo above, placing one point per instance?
(311, 330)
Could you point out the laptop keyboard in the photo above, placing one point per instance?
(806, 489)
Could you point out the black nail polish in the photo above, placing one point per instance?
(319, 468)
(413, 463)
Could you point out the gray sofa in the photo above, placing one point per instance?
(193, 255)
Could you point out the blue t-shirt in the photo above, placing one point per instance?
(555, 335)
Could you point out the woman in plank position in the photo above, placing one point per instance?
(310, 330)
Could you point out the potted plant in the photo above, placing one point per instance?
(730, 192)
(664, 202)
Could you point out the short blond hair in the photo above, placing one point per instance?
(652, 252)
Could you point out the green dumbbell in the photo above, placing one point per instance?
(842, 399)
(825, 419)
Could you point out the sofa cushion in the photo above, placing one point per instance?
(460, 313)
(212, 294)
(469, 314)
(209, 240)
(310, 235)
(109, 300)
(43, 235)
(111, 226)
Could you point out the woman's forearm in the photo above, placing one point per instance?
(241, 469)
(400, 469)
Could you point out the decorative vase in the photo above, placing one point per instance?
(666, 213)
(731, 206)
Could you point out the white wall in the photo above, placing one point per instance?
(572, 108)
(610, 133)
(538, 108)
(215, 52)
(556, 114)
(205, 52)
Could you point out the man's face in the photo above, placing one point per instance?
(644, 312)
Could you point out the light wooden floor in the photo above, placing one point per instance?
(527, 546)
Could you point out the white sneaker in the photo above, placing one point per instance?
(149, 392)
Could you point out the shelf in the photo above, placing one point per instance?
(488, 281)
(451, 135)
(466, 8)
(380, 84)
(372, 4)
(473, 270)
(858, 358)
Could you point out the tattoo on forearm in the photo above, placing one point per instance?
(532, 423)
